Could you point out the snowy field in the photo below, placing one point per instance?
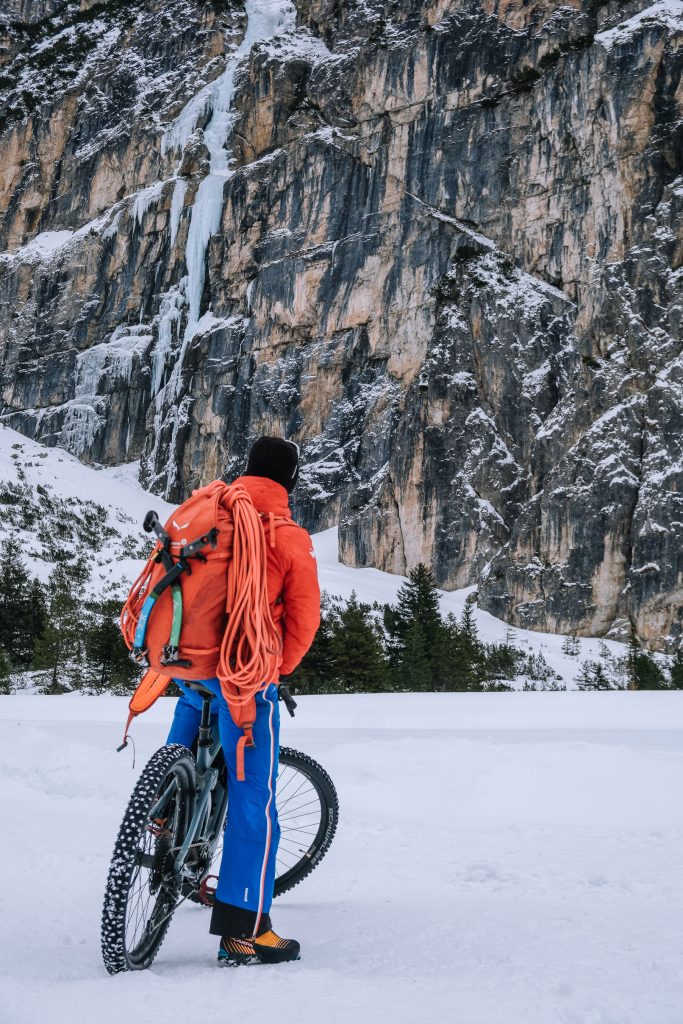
(501, 859)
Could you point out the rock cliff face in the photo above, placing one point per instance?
(438, 242)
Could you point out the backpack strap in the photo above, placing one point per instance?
(273, 522)
(245, 740)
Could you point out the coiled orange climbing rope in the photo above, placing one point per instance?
(251, 644)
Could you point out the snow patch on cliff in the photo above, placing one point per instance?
(40, 248)
(666, 12)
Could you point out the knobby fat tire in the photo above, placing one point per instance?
(176, 761)
(329, 818)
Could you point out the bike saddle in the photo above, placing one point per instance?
(201, 690)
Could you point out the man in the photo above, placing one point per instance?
(247, 872)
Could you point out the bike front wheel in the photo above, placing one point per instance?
(142, 887)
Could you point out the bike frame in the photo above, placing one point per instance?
(208, 746)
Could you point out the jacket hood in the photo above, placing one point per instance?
(267, 494)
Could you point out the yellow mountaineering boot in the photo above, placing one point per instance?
(266, 948)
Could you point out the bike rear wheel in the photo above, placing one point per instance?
(142, 888)
(308, 812)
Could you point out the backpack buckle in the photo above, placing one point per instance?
(169, 656)
(139, 656)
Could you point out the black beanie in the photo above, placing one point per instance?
(276, 459)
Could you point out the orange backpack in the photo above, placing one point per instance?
(200, 609)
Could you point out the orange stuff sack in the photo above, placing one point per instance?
(149, 689)
(227, 628)
(152, 686)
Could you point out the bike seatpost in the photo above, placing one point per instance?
(205, 723)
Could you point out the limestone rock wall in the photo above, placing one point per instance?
(439, 243)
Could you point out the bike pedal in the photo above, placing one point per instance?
(207, 893)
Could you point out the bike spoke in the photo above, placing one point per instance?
(298, 807)
(291, 796)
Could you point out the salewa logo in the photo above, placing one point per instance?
(179, 526)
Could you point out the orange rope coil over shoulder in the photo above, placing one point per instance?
(251, 644)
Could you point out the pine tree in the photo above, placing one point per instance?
(472, 647)
(468, 626)
(500, 662)
(417, 638)
(5, 673)
(571, 645)
(59, 649)
(633, 650)
(36, 617)
(415, 670)
(314, 673)
(676, 670)
(14, 604)
(458, 669)
(359, 662)
(647, 674)
(109, 665)
(643, 671)
(593, 677)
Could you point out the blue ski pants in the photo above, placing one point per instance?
(252, 832)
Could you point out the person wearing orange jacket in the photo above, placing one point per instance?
(247, 873)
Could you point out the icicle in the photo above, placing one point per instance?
(172, 303)
(179, 190)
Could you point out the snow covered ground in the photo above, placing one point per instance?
(501, 859)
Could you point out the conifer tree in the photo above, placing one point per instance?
(570, 645)
(593, 677)
(647, 675)
(314, 674)
(633, 650)
(472, 648)
(415, 668)
(14, 603)
(600, 679)
(676, 670)
(358, 659)
(60, 647)
(417, 638)
(109, 664)
(5, 670)
(36, 616)
(458, 670)
(468, 626)
(643, 671)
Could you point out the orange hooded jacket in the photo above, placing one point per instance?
(292, 574)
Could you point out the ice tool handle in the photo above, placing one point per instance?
(169, 655)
